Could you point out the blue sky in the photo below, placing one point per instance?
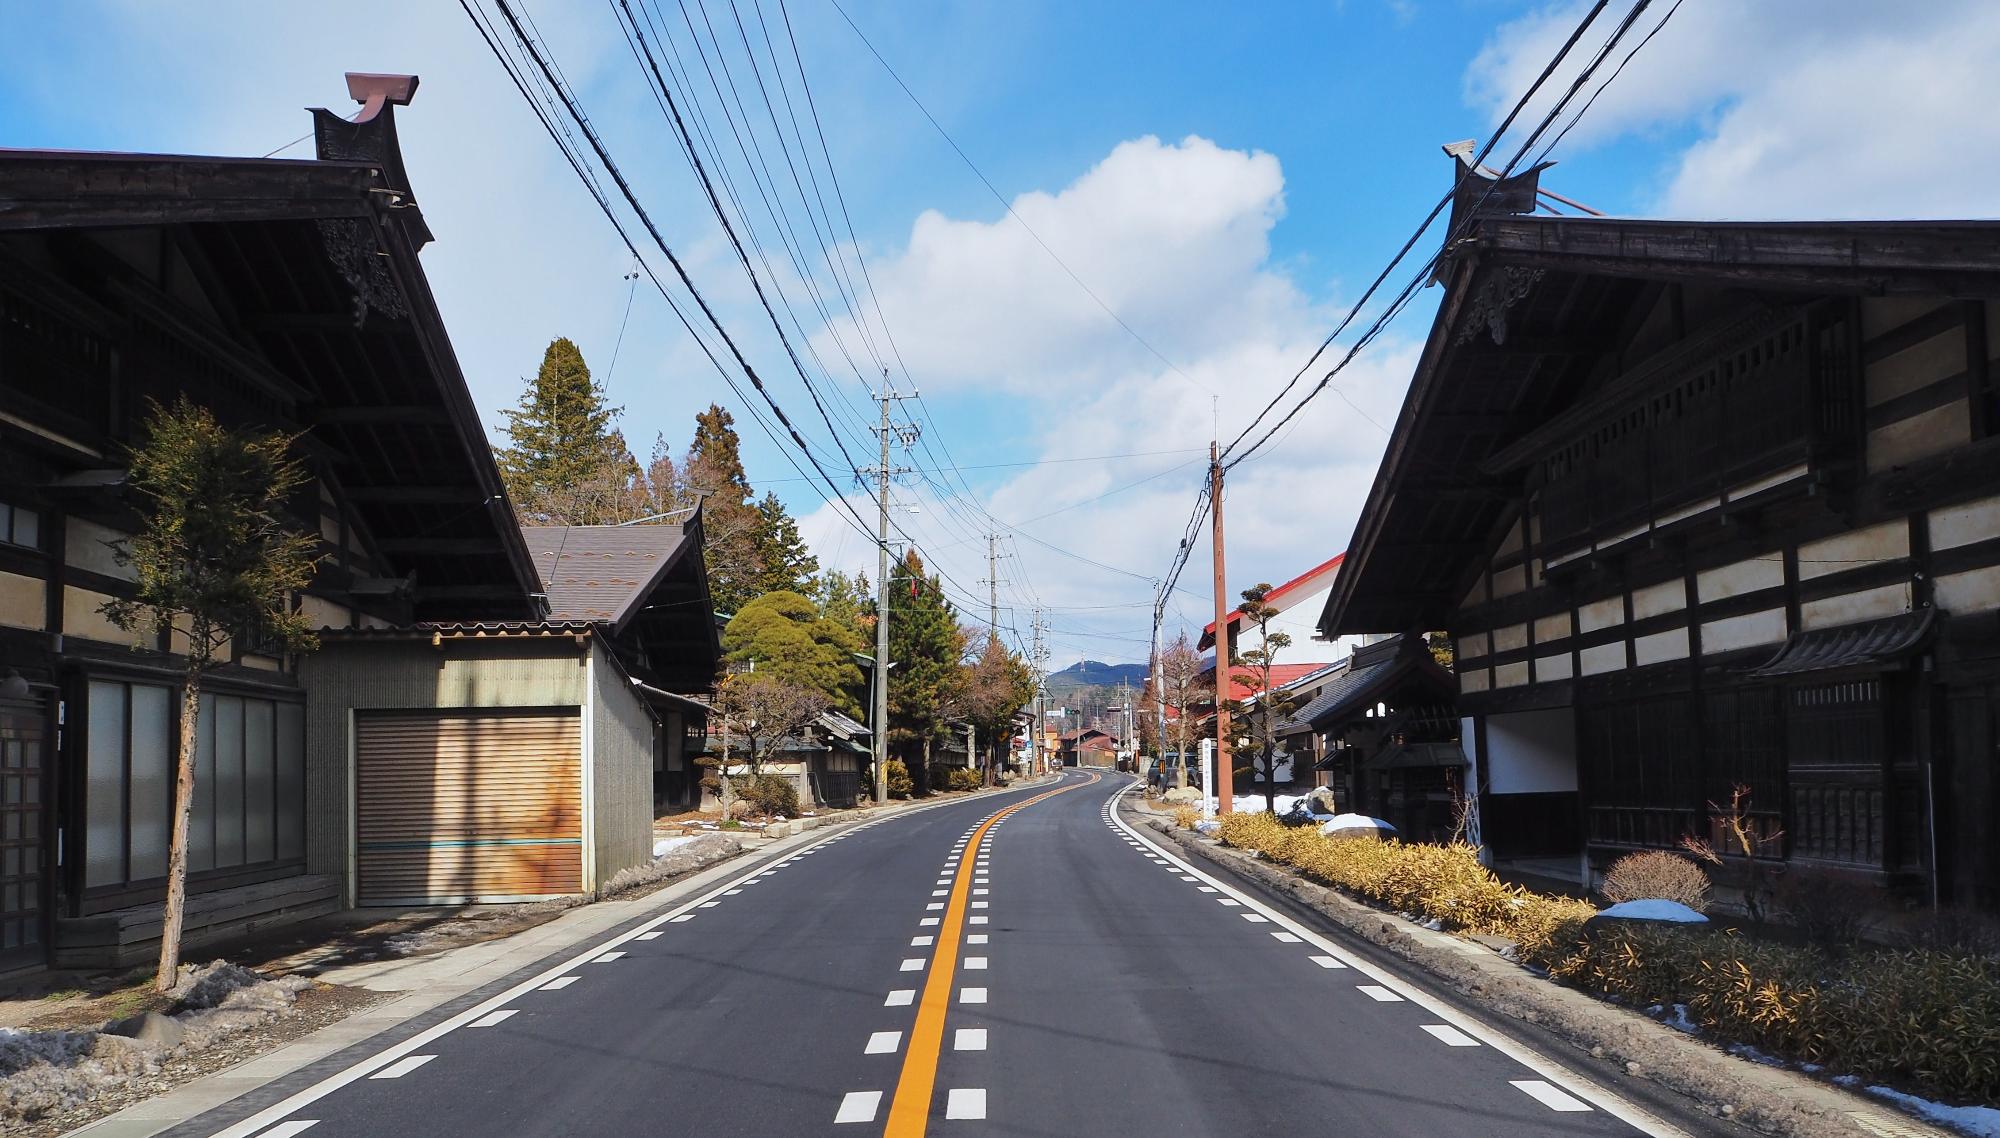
(1224, 177)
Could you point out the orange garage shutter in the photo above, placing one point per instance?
(457, 807)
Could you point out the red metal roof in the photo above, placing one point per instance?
(1284, 596)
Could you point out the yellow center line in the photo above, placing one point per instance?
(910, 1110)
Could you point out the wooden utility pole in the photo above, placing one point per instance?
(1223, 769)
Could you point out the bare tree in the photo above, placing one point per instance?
(1180, 687)
(766, 710)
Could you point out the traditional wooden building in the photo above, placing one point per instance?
(281, 294)
(1706, 505)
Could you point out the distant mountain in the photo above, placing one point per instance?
(1095, 674)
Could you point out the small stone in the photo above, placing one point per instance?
(1728, 1109)
(148, 1027)
(1597, 1052)
(1632, 1067)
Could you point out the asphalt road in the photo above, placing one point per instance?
(1018, 964)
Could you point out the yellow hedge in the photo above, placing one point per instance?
(1925, 1019)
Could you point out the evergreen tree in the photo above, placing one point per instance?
(847, 599)
(786, 562)
(713, 471)
(928, 652)
(783, 635)
(997, 684)
(213, 558)
(565, 463)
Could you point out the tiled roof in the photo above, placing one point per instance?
(1868, 644)
(600, 574)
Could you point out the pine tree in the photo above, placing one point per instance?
(788, 566)
(928, 652)
(213, 558)
(565, 462)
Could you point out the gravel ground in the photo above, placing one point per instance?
(317, 1007)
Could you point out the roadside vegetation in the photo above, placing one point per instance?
(1924, 1016)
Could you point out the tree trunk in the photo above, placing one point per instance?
(176, 904)
(927, 765)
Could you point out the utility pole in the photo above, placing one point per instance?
(1160, 691)
(907, 433)
(1040, 656)
(1223, 770)
(992, 584)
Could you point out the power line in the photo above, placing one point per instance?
(1009, 206)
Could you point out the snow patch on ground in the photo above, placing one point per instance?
(665, 846)
(690, 854)
(46, 1071)
(1755, 1056)
(1653, 910)
(1980, 1121)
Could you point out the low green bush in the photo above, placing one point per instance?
(962, 779)
(897, 776)
(1923, 1018)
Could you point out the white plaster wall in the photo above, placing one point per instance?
(1601, 614)
(1660, 646)
(1603, 658)
(1977, 590)
(1748, 576)
(1888, 541)
(1767, 627)
(1654, 600)
(1531, 752)
(1849, 608)
(1964, 524)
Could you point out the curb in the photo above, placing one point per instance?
(1769, 1100)
(435, 980)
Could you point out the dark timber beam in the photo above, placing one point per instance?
(417, 495)
(414, 415)
(448, 546)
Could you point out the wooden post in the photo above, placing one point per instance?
(1223, 769)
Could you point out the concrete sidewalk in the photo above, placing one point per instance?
(426, 983)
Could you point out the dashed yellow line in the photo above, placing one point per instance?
(910, 1110)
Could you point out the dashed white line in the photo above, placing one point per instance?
(972, 995)
(1548, 1095)
(681, 918)
(608, 958)
(975, 938)
(559, 983)
(921, 941)
(1379, 994)
(979, 904)
(495, 1019)
(883, 1043)
(402, 1066)
(975, 964)
(1285, 938)
(858, 1106)
(940, 892)
(1451, 1036)
(288, 1129)
(900, 998)
(969, 1039)
(934, 906)
(654, 935)
(928, 921)
(1231, 901)
(1206, 888)
(965, 1102)
(709, 904)
(913, 964)
(1257, 918)
(1326, 962)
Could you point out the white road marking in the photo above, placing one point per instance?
(732, 892)
(1229, 901)
(708, 904)
(495, 1019)
(980, 920)
(969, 1039)
(1185, 877)
(979, 904)
(914, 964)
(962, 1102)
(975, 964)
(900, 998)
(1285, 938)
(1257, 918)
(402, 1066)
(654, 935)
(928, 921)
(608, 958)
(559, 983)
(1451, 1036)
(920, 941)
(1379, 994)
(975, 938)
(682, 917)
(858, 1106)
(940, 892)
(1554, 1073)
(980, 892)
(883, 1043)
(1548, 1096)
(288, 1129)
(972, 995)
(1326, 962)
(934, 906)
(1207, 888)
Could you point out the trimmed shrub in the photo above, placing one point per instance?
(1656, 875)
(1186, 816)
(897, 776)
(963, 779)
(767, 794)
(1926, 1019)
(937, 777)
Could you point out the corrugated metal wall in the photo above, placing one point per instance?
(621, 774)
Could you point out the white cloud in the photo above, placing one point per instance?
(1175, 238)
(1799, 109)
